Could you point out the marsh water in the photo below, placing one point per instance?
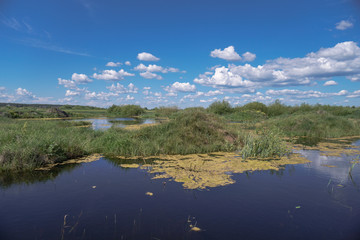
(108, 199)
(105, 123)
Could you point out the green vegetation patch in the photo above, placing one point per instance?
(125, 110)
(191, 131)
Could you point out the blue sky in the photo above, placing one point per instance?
(183, 53)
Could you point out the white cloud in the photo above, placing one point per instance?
(67, 83)
(144, 56)
(118, 88)
(227, 54)
(343, 25)
(128, 98)
(71, 93)
(180, 87)
(150, 75)
(248, 57)
(128, 63)
(2, 89)
(147, 88)
(155, 68)
(330, 83)
(100, 96)
(224, 78)
(354, 94)
(113, 64)
(112, 75)
(354, 78)
(22, 92)
(305, 94)
(80, 78)
(341, 60)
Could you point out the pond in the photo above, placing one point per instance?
(117, 199)
(105, 123)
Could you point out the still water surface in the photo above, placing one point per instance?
(105, 123)
(102, 200)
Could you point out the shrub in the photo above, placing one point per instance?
(125, 110)
(220, 108)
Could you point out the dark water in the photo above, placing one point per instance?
(105, 123)
(306, 201)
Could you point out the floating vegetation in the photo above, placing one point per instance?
(91, 158)
(129, 165)
(326, 165)
(201, 171)
(333, 147)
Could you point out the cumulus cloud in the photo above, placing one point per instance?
(113, 64)
(118, 88)
(71, 93)
(341, 60)
(67, 83)
(144, 56)
(150, 75)
(80, 78)
(150, 71)
(354, 94)
(2, 89)
(180, 87)
(343, 25)
(128, 98)
(248, 57)
(330, 83)
(112, 75)
(305, 94)
(104, 96)
(228, 54)
(22, 92)
(128, 63)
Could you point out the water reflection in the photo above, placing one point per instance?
(105, 123)
(8, 178)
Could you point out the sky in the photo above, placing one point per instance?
(180, 53)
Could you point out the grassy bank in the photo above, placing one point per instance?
(32, 144)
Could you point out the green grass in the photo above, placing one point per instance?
(264, 144)
(31, 144)
(190, 131)
(28, 144)
(320, 125)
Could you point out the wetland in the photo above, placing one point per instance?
(218, 173)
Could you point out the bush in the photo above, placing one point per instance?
(255, 106)
(125, 110)
(220, 108)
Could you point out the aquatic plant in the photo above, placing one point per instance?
(264, 144)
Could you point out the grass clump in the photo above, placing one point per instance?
(190, 131)
(125, 110)
(316, 124)
(32, 144)
(264, 144)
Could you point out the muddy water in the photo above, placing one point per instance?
(117, 199)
